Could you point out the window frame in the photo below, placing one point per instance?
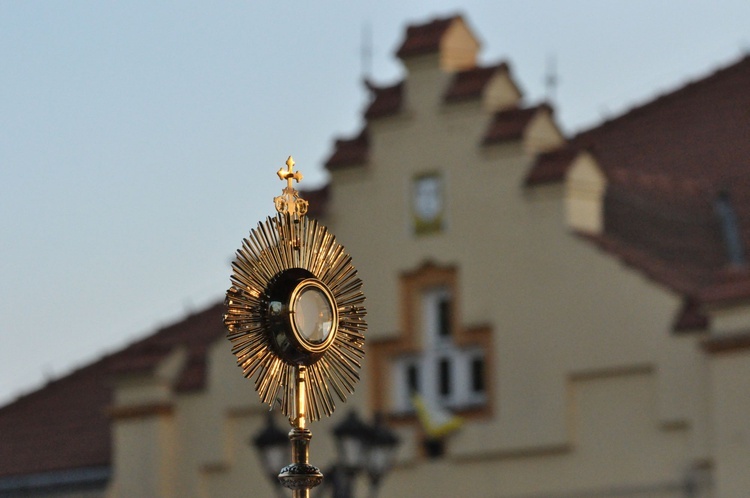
(418, 226)
(392, 357)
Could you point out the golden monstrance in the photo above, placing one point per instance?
(296, 320)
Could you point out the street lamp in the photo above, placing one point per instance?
(272, 445)
(382, 444)
(361, 448)
(351, 441)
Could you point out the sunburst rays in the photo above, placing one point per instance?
(277, 245)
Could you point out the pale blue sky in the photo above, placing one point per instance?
(139, 139)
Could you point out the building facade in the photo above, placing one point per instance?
(581, 304)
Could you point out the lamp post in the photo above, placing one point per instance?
(361, 448)
(382, 446)
(351, 443)
(271, 443)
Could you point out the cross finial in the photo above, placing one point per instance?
(289, 201)
(289, 174)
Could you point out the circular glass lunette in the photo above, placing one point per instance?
(313, 315)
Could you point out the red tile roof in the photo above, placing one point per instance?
(731, 285)
(64, 425)
(510, 124)
(194, 333)
(696, 133)
(349, 151)
(678, 279)
(424, 38)
(469, 84)
(61, 426)
(386, 101)
(666, 163)
(550, 167)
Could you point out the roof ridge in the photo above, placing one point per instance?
(54, 382)
(106, 359)
(654, 102)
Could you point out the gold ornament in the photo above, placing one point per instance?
(295, 313)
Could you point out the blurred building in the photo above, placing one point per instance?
(582, 304)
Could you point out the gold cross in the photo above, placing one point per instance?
(289, 175)
(289, 202)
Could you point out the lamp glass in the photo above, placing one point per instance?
(275, 457)
(352, 451)
(380, 459)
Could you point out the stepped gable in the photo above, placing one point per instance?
(388, 100)
(37, 428)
